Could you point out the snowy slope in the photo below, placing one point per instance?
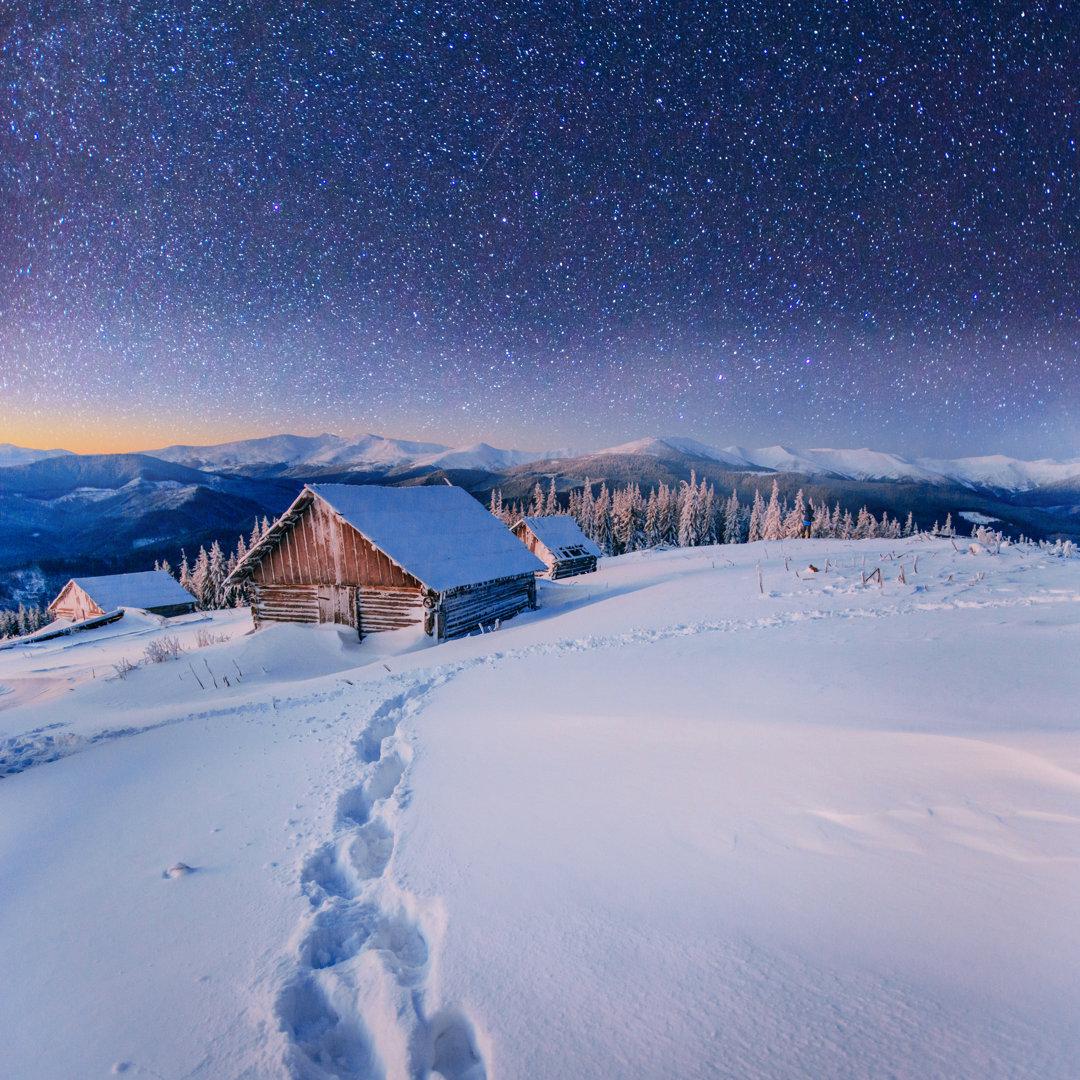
(684, 820)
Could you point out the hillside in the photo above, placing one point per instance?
(758, 821)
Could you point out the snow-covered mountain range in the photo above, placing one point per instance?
(295, 455)
(996, 471)
(369, 452)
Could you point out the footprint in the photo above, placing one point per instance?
(453, 1049)
(322, 874)
(338, 932)
(353, 807)
(322, 1043)
(405, 952)
(368, 850)
(384, 778)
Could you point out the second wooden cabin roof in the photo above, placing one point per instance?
(145, 589)
(561, 535)
(440, 535)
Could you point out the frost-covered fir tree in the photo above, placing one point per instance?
(757, 517)
(602, 519)
(536, 507)
(185, 574)
(587, 521)
(651, 527)
(793, 523)
(732, 526)
(688, 514)
(772, 525)
(551, 503)
(909, 525)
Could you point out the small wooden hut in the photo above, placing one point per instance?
(380, 558)
(559, 543)
(156, 591)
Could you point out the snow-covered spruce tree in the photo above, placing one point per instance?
(495, 506)
(185, 573)
(731, 518)
(586, 521)
(772, 525)
(551, 503)
(688, 497)
(668, 515)
(793, 523)
(602, 519)
(216, 576)
(757, 517)
(536, 507)
(909, 525)
(622, 522)
(200, 578)
(651, 528)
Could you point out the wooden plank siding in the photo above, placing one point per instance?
(285, 603)
(73, 603)
(466, 609)
(388, 609)
(561, 568)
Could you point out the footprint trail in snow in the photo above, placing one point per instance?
(359, 1002)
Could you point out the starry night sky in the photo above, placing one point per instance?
(542, 224)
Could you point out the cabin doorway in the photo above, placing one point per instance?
(336, 605)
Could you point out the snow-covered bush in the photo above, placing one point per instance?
(163, 648)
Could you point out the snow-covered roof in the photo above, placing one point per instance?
(561, 536)
(439, 534)
(146, 589)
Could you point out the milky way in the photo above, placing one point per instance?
(543, 223)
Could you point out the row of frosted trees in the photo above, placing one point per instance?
(205, 578)
(691, 514)
(23, 620)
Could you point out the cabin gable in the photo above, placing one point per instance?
(73, 603)
(318, 548)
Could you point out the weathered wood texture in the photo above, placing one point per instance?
(388, 609)
(468, 608)
(561, 568)
(73, 603)
(320, 549)
(285, 603)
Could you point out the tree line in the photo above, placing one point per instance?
(691, 514)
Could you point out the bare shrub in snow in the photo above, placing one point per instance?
(163, 648)
(123, 666)
(204, 637)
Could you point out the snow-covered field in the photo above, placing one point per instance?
(683, 821)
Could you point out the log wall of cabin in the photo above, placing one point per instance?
(583, 564)
(465, 609)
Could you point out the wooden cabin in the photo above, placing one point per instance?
(380, 558)
(156, 591)
(559, 543)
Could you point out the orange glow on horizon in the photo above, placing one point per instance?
(126, 437)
